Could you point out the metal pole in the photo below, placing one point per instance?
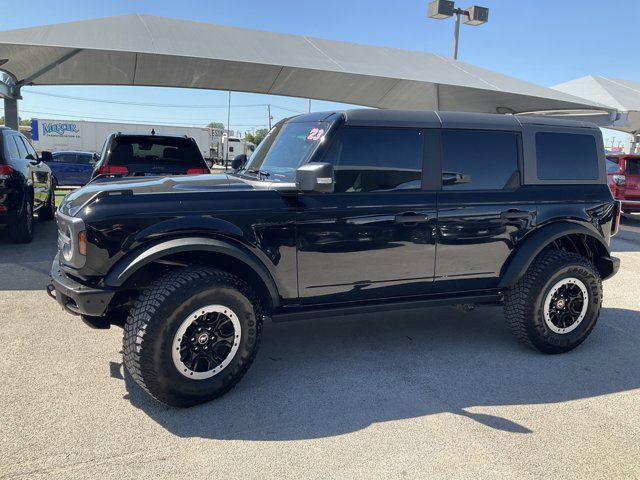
(11, 119)
(269, 113)
(226, 147)
(309, 105)
(456, 34)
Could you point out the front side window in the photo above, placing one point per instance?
(566, 156)
(284, 149)
(478, 160)
(374, 159)
(21, 148)
(31, 153)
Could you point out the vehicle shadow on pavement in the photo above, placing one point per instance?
(339, 375)
(27, 266)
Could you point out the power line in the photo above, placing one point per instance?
(157, 105)
(129, 120)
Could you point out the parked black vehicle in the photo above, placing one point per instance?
(337, 213)
(133, 155)
(25, 186)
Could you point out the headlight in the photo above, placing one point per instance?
(65, 243)
(72, 240)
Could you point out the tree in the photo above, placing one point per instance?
(23, 122)
(216, 125)
(257, 137)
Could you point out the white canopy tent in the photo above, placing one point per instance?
(153, 51)
(623, 95)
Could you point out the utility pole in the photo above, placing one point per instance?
(270, 117)
(309, 105)
(226, 145)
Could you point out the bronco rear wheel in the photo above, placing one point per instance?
(556, 304)
(192, 335)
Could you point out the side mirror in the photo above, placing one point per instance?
(238, 161)
(46, 156)
(315, 177)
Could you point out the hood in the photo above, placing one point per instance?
(82, 197)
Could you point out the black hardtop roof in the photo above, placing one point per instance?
(433, 119)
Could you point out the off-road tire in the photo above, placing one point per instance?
(22, 230)
(47, 212)
(524, 302)
(155, 318)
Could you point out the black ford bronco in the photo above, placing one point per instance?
(336, 213)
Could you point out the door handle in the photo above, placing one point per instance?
(514, 215)
(411, 218)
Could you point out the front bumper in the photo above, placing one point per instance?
(75, 297)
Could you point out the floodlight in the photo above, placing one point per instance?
(440, 9)
(476, 15)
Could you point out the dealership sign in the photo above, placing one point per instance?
(59, 129)
(47, 128)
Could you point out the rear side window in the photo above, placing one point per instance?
(376, 159)
(478, 160)
(12, 147)
(566, 156)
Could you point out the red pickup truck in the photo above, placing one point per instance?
(623, 176)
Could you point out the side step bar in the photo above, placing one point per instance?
(306, 313)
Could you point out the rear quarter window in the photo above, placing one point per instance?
(566, 156)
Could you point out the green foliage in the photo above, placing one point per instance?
(257, 137)
(216, 125)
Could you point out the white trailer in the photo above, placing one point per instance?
(56, 135)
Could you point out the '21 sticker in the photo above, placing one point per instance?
(315, 134)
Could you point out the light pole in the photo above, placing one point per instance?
(441, 9)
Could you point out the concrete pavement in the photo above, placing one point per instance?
(432, 394)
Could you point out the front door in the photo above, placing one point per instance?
(374, 236)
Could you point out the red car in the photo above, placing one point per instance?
(623, 176)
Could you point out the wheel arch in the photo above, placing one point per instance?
(128, 271)
(563, 235)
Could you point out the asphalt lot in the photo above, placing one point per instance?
(435, 394)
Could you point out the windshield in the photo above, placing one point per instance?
(284, 149)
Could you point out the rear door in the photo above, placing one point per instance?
(482, 209)
(373, 237)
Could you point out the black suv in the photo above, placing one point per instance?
(133, 155)
(336, 213)
(25, 186)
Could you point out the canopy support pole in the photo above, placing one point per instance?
(11, 119)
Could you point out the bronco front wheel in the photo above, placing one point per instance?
(192, 335)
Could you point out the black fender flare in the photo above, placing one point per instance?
(131, 263)
(533, 244)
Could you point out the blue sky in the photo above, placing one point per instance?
(542, 41)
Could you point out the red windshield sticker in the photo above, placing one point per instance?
(315, 134)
